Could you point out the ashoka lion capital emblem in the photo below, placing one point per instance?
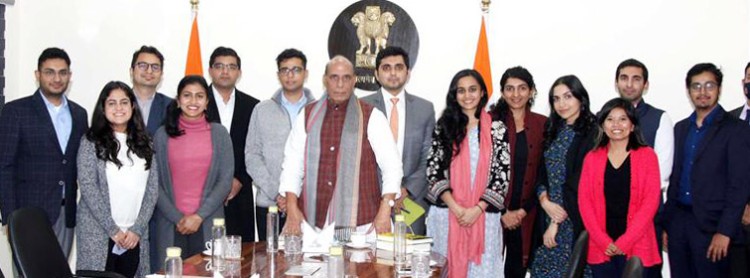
(372, 32)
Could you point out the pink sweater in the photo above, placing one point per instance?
(189, 160)
(639, 238)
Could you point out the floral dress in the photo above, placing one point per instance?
(554, 262)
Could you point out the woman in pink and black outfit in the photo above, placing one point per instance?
(196, 167)
(619, 194)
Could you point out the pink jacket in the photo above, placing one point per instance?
(639, 238)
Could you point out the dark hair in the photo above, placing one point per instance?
(171, 123)
(701, 68)
(224, 51)
(102, 134)
(392, 51)
(149, 50)
(52, 53)
(453, 121)
(632, 63)
(635, 140)
(501, 109)
(747, 67)
(290, 53)
(585, 120)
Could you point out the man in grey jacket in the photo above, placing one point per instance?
(269, 127)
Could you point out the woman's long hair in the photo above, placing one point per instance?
(585, 120)
(501, 109)
(453, 121)
(102, 134)
(171, 123)
(635, 139)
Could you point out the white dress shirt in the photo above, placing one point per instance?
(380, 138)
(226, 110)
(743, 113)
(664, 148)
(401, 107)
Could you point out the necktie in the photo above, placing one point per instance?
(394, 118)
(747, 116)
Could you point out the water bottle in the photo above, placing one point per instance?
(399, 243)
(218, 239)
(173, 263)
(272, 229)
(335, 262)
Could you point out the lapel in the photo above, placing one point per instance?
(379, 102)
(239, 107)
(710, 133)
(46, 121)
(213, 110)
(74, 127)
(153, 116)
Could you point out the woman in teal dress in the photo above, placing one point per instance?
(569, 135)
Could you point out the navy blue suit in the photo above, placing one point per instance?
(157, 113)
(33, 168)
(719, 189)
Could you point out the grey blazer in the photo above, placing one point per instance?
(420, 122)
(217, 186)
(95, 224)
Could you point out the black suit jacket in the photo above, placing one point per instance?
(157, 113)
(32, 166)
(243, 108)
(720, 177)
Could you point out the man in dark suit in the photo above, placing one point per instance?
(146, 69)
(233, 109)
(739, 254)
(39, 138)
(412, 120)
(708, 188)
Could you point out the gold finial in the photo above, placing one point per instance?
(194, 4)
(486, 6)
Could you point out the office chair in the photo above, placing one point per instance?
(633, 268)
(577, 261)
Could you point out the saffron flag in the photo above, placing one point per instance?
(193, 64)
(482, 60)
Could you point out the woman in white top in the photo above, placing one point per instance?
(118, 186)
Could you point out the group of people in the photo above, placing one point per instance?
(506, 190)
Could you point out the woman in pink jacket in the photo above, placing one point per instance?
(619, 194)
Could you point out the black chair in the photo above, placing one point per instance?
(633, 268)
(577, 262)
(36, 252)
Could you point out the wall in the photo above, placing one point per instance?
(551, 38)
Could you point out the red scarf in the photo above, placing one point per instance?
(466, 244)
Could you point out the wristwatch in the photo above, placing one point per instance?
(391, 202)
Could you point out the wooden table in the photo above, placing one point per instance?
(255, 259)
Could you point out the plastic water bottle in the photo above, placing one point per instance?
(272, 229)
(173, 263)
(335, 262)
(218, 242)
(399, 243)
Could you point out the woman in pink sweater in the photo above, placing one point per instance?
(619, 194)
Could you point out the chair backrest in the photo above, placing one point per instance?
(577, 262)
(633, 268)
(36, 251)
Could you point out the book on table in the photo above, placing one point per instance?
(410, 238)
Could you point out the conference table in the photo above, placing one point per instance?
(360, 263)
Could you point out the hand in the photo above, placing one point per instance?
(118, 238)
(470, 216)
(400, 200)
(549, 236)
(613, 250)
(664, 239)
(281, 203)
(457, 210)
(555, 211)
(382, 221)
(717, 250)
(236, 186)
(293, 225)
(746, 216)
(189, 224)
(131, 240)
(512, 219)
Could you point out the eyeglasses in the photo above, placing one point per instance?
(144, 66)
(49, 73)
(219, 66)
(292, 70)
(709, 86)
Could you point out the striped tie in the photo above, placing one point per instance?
(394, 118)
